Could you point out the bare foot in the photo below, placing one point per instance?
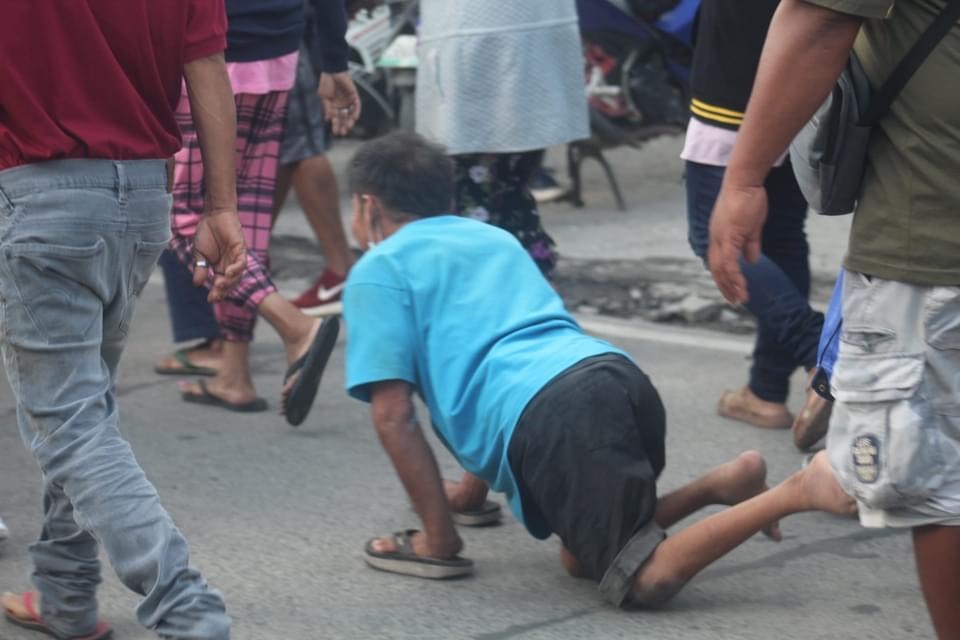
(741, 479)
(237, 394)
(298, 349)
(742, 405)
(421, 546)
(818, 484)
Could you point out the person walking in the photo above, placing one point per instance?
(498, 83)
(262, 53)
(86, 127)
(730, 37)
(894, 438)
(305, 167)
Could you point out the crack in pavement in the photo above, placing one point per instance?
(841, 546)
(520, 629)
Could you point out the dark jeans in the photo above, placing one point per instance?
(788, 329)
(191, 315)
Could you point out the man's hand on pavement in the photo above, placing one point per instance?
(735, 230)
(220, 244)
(341, 102)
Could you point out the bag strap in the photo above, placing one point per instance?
(884, 97)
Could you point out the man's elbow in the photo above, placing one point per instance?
(391, 418)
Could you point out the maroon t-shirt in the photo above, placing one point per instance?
(98, 78)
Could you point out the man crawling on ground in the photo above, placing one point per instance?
(564, 424)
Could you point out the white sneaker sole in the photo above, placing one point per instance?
(330, 309)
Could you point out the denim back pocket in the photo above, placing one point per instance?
(8, 211)
(52, 294)
(145, 257)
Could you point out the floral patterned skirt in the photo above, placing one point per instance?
(493, 188)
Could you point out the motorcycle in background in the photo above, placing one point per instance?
(385, 79)
(638, 55)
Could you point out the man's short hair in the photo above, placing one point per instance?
(408, 174)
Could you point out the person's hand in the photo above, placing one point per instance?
(735, 230)
(341, 102)
(219, 246)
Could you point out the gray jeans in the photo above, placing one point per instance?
(78, 241)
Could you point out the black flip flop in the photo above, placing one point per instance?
(405, 562)
(488, 514)
(210, 400)
(311, 367)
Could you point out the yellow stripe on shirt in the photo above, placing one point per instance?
(706, 115)
(703, 106)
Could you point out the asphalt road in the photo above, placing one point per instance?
(277, 517)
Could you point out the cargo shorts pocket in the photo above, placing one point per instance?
(883, 442)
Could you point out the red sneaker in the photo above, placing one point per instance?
(323, 298)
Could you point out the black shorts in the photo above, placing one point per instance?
(586, 455)
(304, 130)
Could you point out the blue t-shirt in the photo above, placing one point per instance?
(458, 309)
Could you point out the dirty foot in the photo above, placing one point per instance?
(741, 479)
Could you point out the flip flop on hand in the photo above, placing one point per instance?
(404, 561)
(210, 400)
(32, 621)
(310, 367)
(487, 514)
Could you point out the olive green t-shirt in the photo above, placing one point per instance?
(907, 224)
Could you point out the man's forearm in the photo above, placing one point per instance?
(404, 442)
(806, 50)
(214, 115)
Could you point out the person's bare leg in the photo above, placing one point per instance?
(316, 187)
(730, 483)
(233, 382)
(295, 329)
(684, 554)
(937, 550)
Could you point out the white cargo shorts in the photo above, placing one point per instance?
(894, 438)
